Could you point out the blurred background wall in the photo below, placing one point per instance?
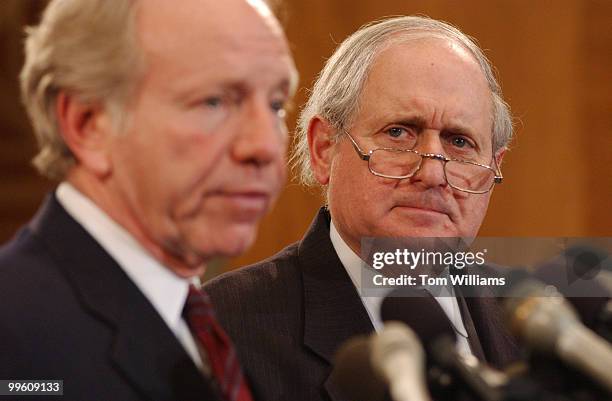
(554, 59)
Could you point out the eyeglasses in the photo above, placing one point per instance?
(462, 175)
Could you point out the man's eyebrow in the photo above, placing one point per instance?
(421, 122)
(416, 121)
(284, 85)
(458, 128)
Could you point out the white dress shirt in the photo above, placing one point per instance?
(166, 291)
(352, 264)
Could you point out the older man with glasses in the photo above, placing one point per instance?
(405, 130)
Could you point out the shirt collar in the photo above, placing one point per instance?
(166, 291)
(352, 263)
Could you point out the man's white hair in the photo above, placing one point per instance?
(336, 92)
(87, 49)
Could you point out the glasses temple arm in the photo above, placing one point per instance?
(363, 155)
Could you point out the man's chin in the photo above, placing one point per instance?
(417, 233)
(408, 222)
(422, 231)
(185, 271)
(234, 240)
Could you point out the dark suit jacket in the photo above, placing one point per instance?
(289, 314)
(69, 312)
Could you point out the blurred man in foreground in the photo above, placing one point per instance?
(405, 129)
(165, 125)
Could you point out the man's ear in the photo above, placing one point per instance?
(86, 129)
(499, 156)
(321, 146)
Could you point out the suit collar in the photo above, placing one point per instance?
(494, 343)
(144, 349)
(473, 338)
(164, 289)
(333, 311)
(330, 298)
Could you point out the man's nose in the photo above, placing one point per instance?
(431, 172)
(263, 135)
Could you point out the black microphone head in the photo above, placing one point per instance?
(577, 275)
(576, 271)
(420, 311)
(587, 260)
(353, 374)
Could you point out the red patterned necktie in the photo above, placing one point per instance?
(224, 364)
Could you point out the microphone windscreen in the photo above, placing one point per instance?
(353, 373)
(576, 274)
(420, 311)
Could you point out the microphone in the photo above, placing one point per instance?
(484, 381)
(392, 359)
(583, 275)
(354, 374)
(397, 355)
(546, 322)
(419, 310)
(454, 375)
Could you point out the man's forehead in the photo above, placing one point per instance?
(426, 79)
(161, 21)
(201, 35)
(434, 42)
(418, 111)
(428, 55)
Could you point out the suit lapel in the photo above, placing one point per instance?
(153, 360)
(487, 334)
(333, 311)
(468, 323)
(144, 351)
(498, 346)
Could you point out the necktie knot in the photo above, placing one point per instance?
(197, 306)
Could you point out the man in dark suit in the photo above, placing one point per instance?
(405, 130)
(168, 157)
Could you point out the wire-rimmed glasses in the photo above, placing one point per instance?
(462, 175)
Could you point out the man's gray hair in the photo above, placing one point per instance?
(336, 92)
(87, 49)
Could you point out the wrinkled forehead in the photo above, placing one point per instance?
(436, 68)
(433, 80)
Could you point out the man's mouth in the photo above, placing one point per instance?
(427, 204)
(424, 208)
(245, 202)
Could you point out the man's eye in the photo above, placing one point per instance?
(460, 142)
(278, 107)
(213, 101)
(395, 132)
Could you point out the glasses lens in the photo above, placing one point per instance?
(469, 177)
(394, 163)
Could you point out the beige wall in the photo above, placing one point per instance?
(554, 59)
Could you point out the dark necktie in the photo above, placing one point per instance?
(224, 364)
